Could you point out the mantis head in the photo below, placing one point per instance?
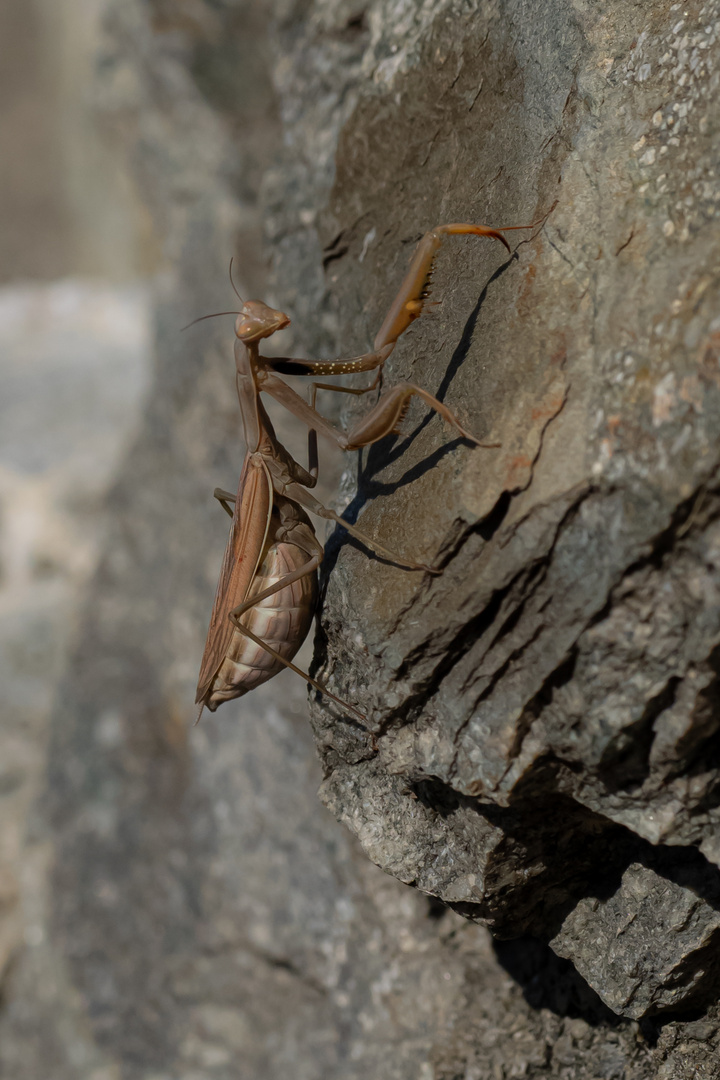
(257, 320)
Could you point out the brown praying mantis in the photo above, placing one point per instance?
(268, 589)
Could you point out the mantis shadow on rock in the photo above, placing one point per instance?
(393, 447)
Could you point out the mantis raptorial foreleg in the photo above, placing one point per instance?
(411, 296)
(354, 365)
(408, 305)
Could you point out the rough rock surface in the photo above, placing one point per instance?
(543, 753)
(550, 703)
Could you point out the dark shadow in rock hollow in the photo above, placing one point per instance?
(581, 854)
(685, 866)
(651, 1026)
(549, 982)
(589, 862)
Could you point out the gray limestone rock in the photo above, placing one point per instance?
(550, 702)
(541, 753)
(651, 945)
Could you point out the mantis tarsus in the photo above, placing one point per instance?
(267, 592)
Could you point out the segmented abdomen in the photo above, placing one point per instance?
(282, 620)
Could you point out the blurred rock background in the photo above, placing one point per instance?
(76, 251)
(175, 902)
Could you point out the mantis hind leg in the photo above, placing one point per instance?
(307, 568)
(298, 671)
(299, 495)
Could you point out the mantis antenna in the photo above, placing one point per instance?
(213, 316)
(217, 313)
(233, 284)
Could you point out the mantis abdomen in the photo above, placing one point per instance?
(281, 620)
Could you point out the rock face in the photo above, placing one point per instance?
(653, 940)
(550, 703)
(541, 752)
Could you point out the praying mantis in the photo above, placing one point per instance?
(267, 593)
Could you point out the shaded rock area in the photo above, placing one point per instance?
(541, 751)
